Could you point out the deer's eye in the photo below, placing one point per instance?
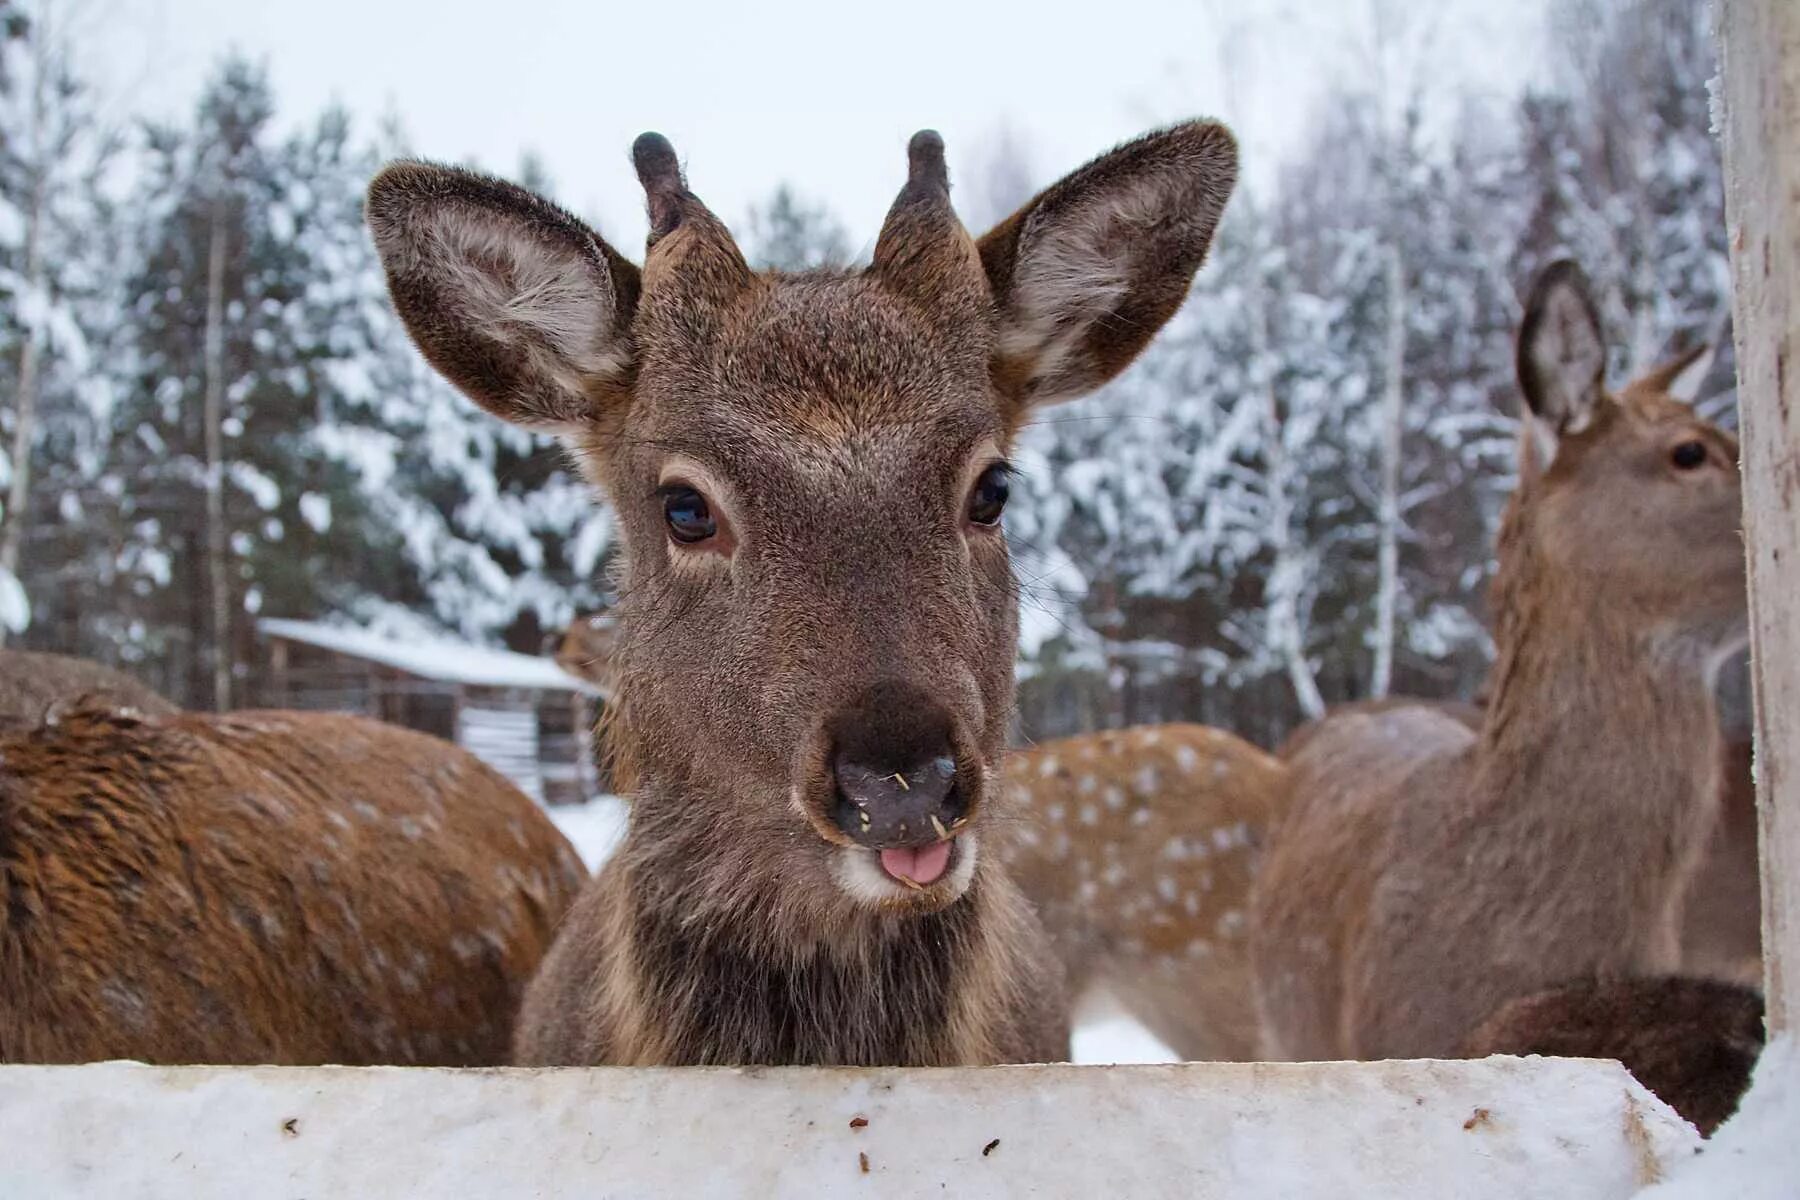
(1688, 455)
(689, 517)
(988, 498)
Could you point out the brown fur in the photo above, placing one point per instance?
(846, 608)
(1424, 874)
(1721, 929)
(1693, 1042)
(1139, 853)
(1457, 710)
(265, 887)
(31, 685)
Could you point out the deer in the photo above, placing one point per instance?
(1692, 1041)
(271, 887)
(1460, 711)
(33, 684)
(1423, 874)
(817, 615)
(1138, 848)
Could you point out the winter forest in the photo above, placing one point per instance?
(208, 413)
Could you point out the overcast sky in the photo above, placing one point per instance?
(820, 94)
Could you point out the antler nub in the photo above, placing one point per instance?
(664, 189)
(925, 162)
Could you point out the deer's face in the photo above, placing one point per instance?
(817, 615)
(1637, 506)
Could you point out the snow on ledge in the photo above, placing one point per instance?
(1501, 1127)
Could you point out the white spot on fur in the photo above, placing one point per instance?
(1054, 813)
(1113, 797)
(1149, 737)
(1087, 785)
(1165, 887)
(1186, 758)
(1090, 815)
(1047, 768)
(1145, 780)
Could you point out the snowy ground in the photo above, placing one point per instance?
(596, 827)
(1755, 1155)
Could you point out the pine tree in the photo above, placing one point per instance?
(784, 233)
(55, 221)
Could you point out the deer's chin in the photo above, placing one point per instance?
(860, 875)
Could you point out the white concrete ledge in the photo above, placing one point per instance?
(1512, 1128)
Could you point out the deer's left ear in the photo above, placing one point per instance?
(1088, 270)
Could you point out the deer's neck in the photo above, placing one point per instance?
(733, 964)
(1597, 770)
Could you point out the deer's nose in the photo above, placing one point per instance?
(884, 807)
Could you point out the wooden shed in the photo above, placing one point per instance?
(522, 714)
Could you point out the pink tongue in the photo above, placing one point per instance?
(921, 864)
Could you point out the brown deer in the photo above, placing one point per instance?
(1459, 711)
(1424, 874)
(265, 887)
(817, 615)
(1721, 934)
(1138, 849)
(31, 685)
(1694, 1042)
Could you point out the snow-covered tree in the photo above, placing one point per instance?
(785, 233)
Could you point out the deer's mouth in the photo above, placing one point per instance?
(919, 878)
(920, 866)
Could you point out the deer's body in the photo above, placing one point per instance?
(31, 685)
(265, 887)
(813, 656)
(1460, 711)
(1693, 1042)
(1424, 873)
(1138, 848)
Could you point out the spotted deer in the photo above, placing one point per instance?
(1423, 873)
(264, 887)
(817, 615)
(1138, 848)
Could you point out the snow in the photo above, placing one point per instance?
(1755, 1155)
(15, 608)
(594, 829)
(1117, 1039)
(1514, 1128)
(432, 658)
(315, 510)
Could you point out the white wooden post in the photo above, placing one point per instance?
(1759, 61)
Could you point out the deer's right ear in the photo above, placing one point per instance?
(1562, 354)
(1089, 269)
(517, 303)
